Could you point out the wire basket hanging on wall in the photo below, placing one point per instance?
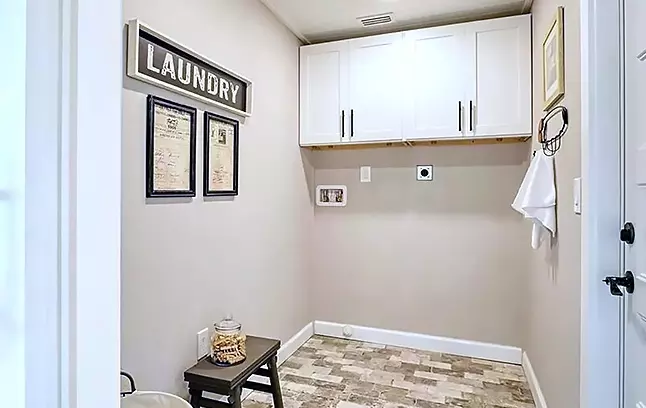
(552, 144)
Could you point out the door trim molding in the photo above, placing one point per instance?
(90, 223)
(602, 216)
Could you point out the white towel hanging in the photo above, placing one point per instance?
(536, 198)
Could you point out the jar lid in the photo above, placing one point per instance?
(228, 324)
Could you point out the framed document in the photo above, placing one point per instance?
(554, 61)
(220, 155)
(170, 149)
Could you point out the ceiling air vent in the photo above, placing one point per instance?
(377, 20)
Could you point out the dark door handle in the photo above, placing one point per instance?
(627, 234)
(351, 122)
(470, 116)
(460, 116)
(342, 123)
(614, 282)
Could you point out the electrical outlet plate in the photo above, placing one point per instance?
(203, 343)
(425, 173)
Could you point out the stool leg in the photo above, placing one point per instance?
(236, 397)
(275, 382)
(196, 397)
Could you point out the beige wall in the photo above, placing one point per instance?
(187, 263)
(445, 258)
(553, 324)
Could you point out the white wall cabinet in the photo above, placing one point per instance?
(435, 83)
(499, 82)
(463, 81)
(323, 93)
(375, 88)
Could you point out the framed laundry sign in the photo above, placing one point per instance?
(161, 61)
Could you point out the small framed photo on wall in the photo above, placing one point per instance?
(170, 149)
(221, 136)
(331, 196)
(554, 61)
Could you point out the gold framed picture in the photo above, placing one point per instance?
(221, 136)
(554, 62)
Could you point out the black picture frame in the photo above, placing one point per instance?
(208, 117)
(151, 192)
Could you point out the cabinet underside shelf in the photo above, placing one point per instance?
(413, 143)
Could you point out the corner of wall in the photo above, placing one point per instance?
(552, 329)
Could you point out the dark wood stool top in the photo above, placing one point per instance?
(206, 376)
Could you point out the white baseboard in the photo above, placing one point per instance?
(486, 351)
(539, 398)
(295, 343)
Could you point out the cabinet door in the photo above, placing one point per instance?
(376, 86)
(436, 88)
(324, 93)
(500, 96)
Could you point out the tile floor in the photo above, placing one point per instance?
(335, 373)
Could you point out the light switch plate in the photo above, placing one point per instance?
(425, 173)
(366, 174)
(203, 343)
(577, 195)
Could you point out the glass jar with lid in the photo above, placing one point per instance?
(228, 343)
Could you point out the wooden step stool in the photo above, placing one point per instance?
(207, 377)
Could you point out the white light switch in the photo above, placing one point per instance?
(577, 195)
(365, 174)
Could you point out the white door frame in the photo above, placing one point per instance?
(13, 23)
(92, 65)
(73, 203)
(602, 175)
(42, 205)
(95, 72)
(89, 203)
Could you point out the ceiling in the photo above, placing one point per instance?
(325, 20)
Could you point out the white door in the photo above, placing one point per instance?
(635, 170)
(376, 86)
(324, 93)
(436, 74)
(499, 99)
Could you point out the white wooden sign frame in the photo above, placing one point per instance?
(135, 26)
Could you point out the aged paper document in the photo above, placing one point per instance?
(172, 155)
(221, 156)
